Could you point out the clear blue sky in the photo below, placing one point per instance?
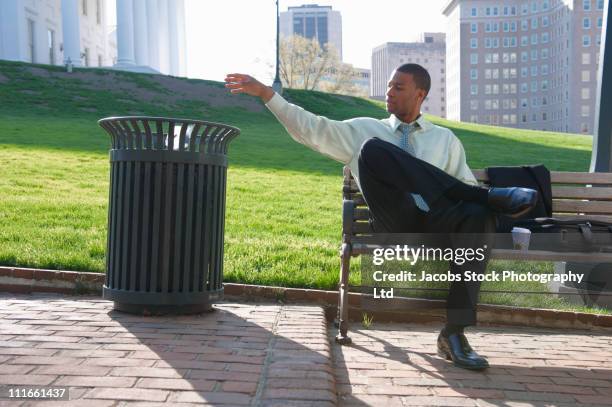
(239, 35)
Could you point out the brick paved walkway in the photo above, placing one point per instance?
(255, 354)
(280, 355)
(396, 365)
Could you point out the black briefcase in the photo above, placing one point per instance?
(575, 235)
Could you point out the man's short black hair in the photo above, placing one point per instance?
(420, 75)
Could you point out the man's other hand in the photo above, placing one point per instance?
(241, 83)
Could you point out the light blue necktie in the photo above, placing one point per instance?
(405, 142)
(406, 145)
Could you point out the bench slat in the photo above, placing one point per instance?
(563, 177)
(361, 228)
(358, 228)
(596, 193)
(508, 254)
(570, 210)
(566, 199)
(587, 207)
(559, 192)
(556, 178)
(361, 214)
(602, 218)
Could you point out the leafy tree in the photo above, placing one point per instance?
(304, 64)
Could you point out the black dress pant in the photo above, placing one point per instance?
(389, 176)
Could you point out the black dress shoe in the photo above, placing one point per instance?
(513, 201)
(456, 347)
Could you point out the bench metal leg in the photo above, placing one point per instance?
(342, 337)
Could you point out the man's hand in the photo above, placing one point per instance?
(241, 83)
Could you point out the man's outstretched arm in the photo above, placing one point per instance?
(338, 140)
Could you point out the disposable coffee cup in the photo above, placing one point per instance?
(520, 238)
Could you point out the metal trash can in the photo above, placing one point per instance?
(166, 214)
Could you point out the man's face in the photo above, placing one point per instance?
(403, 96)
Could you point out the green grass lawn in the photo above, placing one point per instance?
(283, 215)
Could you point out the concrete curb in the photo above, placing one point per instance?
(24, 280)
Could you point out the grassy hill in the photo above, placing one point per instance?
(283, 200)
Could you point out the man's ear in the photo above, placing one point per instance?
(422, 95)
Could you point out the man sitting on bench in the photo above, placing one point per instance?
(414, 177)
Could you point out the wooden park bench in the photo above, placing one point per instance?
(572, 198)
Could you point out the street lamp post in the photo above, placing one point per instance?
(277, 85)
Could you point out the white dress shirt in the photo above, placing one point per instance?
(342, 140)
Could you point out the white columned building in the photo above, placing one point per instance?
(151, 36)
(54, 31)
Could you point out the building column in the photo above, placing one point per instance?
(173, 38)
(71, 32)
(141, 43)
(162, 27)
(11, 33)
(182, 38)
(125, 32)
(153, 33)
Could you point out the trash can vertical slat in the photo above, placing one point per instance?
(145, 253)
(121, 179)
(182, 135)
(148, 135)
(215, 233)
(222, 228)
(170, 136)
(137, 134)
(189, 228)
(125, 238)
(199, 218)
(207, 227)
(159, 141)
(167, 226)
(128, 134)
(112, 222)
(216, 268)
(178, 228)
(155, 233)
(193, 138)
(210, 224)
(136, 212)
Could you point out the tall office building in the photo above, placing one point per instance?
(428, 52)
(313, 21)
(54, 31)
(527, 64)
